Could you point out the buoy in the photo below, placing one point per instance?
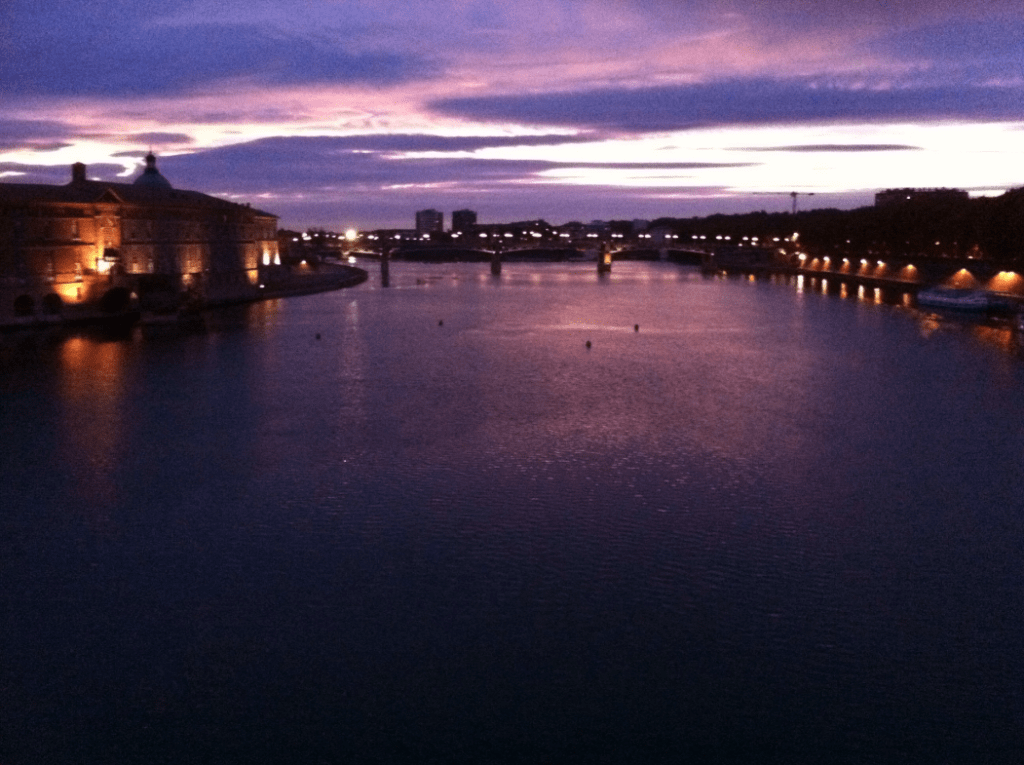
(317, 335)
(588, 343)
(636, 327)
(440, 323)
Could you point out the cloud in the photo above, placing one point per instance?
(830, 15)
(838, 147)
(51, 135)
(119, 76)
(960, 50)
(113, 59)
(317, 163)
(421, 142)
(17, 172)
(740, 102)
(283, 173)
(38, 135)
(157, 138)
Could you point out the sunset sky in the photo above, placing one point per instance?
(341, 113)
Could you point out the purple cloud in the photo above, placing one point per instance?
(984, 47)
(296, 177)
(114, 59)
(839, 147)
(739, 101)
(331, 162)
(158, 138)
(39, 135)
(56, 175)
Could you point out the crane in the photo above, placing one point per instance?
(794, 194)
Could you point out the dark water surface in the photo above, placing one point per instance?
(771, 526)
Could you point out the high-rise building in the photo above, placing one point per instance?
(463, 220)
(429, 222)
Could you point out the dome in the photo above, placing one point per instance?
(151, 176)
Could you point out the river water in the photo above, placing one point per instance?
(750, 523)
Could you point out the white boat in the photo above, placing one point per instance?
(955, 299)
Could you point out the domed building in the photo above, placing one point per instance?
(151, 177)
(103, 246)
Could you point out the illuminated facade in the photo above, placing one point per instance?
(95, 244)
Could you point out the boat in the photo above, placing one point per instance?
(954, 299)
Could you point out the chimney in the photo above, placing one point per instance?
(78, 173)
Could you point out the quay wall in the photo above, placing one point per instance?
(905, 273)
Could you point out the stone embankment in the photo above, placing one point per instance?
(907, 274)
(327, 277)
(130, 299)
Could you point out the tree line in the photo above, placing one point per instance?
(983, 227)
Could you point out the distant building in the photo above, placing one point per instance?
(891, 197)
(463, 220)
(661, 235)
(100, 243)
(429, 222)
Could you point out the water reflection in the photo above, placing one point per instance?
(730, 509)
(1001, 337)
(91, 425)
(992, 332)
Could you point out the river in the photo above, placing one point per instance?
(750, 523)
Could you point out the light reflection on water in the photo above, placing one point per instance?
(768, 526)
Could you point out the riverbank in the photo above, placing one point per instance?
(326, 277)
(136, 305)
(1003, 286)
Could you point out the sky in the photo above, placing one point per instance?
(357, 113)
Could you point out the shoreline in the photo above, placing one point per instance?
(328, 278)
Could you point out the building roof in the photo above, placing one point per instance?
(152, 192)
(151, 177)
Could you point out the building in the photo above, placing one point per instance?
(429, 222)
(97, 245)
(891, 197)
(463, 220)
